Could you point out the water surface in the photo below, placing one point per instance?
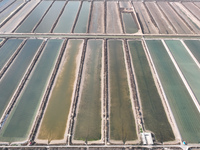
(82, 22)
(50, 18)
(7, 50)
(67, 18)
(129, 23)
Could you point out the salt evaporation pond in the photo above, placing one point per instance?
(29, 23)
(113, 23)
(54, 123)
(122, 122)
(68, 14)
(7, 50)
(11, 24)
(129, 23)
(13, 76)
(4, 4)
(50, 18)
(82, 22)
(155, 117)
(194, 46)
(88, 125)
(10, 9)
(19, 122)
(97, 18)
(184, 110)
(187, 65)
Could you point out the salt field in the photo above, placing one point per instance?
(82, 22)
(8, 49)
(11, 8)
(97, 18)
(194, 45)
(186, 64)
(122, 122)
(19, 122)
(49, 19)
(99, 74)
(62, 95)
(153, 110)
(113, 23)
(88, 125)
(16, 71)
(68, 14)
(184, 110)
(35, 16)
(129, 23)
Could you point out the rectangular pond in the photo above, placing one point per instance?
(194, 46)
(113, 23)
(10, 25)
(68, 14)
(97, 18)
(88, 124)
(82, 22)
(19, 122)
(10, 9)
(155, 118)
(176, 21)
(13, 76)
(184, 110)
(54, 123)
(4, 4)
(50, 18)
(129, 23)
(187, 65)
(122, 121)
(7, 50)
(34, 17)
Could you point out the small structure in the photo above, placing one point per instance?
(147, 138)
